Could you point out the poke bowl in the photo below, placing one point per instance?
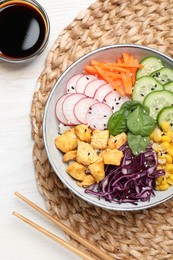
(108, 127)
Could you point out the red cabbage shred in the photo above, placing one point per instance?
(133, 181)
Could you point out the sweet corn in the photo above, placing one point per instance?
(165, 126)
(171, 177)
(162, 144)
(168, 158)
(170, 151)
(170, 181)
(169, 167)
(166, 138)
(157, 135)
(151, 136)
(156, 147)
(163, 186)
(165, 145)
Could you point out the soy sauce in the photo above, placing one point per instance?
(22, 30)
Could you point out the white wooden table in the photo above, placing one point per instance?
(19, 241)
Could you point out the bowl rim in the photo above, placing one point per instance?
(90, 201)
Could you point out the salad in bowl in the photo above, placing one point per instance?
(108, 127)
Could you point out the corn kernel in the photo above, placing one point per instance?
(170, 151)
(151, 136)
(163, 186)
(157, 182)
(161, 160)
(171, 177)
(156, 147)
(170, 181)
(169, 167)
(164, 181)
(166, 138)
(168, 158)
(160, 179)
(157, 135)
(165, 145)
(169, 133)
(167, 174)
(165, 126)
(160, 167)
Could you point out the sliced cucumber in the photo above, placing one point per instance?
(164, 75)
(166, 115)
(157, 100)
(169, 86)
(144, 86)
(151, 64)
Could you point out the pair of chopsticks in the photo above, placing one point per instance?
(65, 228)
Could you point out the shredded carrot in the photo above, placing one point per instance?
(121, 74)
(109, 79)
(91, 70)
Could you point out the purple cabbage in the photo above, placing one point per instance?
(132, 181)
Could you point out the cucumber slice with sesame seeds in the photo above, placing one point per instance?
(169, 86)
(157, 100)
(150, 64)
(164, 75)
(144, 86)
(166, 115)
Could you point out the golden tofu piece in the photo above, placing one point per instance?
(112, 156)
(87, 181)
(77, 171)
(83, 133)
(99, 139)
(67, 141)
(97, 170)
(117, 141)
(69, 156)
(85, 153)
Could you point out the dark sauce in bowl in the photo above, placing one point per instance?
(22, 30)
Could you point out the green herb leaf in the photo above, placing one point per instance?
(131, 105)
(137, 143)
(140, 123)
(117, 123)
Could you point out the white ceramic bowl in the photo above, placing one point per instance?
(50, 123)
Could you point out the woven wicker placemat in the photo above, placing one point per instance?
(124, 235)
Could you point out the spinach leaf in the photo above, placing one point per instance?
(137, 143)
(131, 105)
(140, 123)
(117, 123)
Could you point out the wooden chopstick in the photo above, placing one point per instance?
(54, 237)
(66, 229)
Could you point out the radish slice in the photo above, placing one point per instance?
(82, 82)
(81, 108)
(115, 100)
(68, 107)
(92, 86)
(102, 91)
(71, 84)
(98, 115)
(58, 110)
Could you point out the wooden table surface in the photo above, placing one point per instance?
(19, 241)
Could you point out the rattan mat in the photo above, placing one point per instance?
(147, 234)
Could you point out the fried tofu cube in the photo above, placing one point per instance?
(87, 181)
(67, 141)
(77, 171)
(112, 156)
(69, 156)
(83, 133)
(97, 170)
(85, 153)
(117, 141)
(99, 139)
